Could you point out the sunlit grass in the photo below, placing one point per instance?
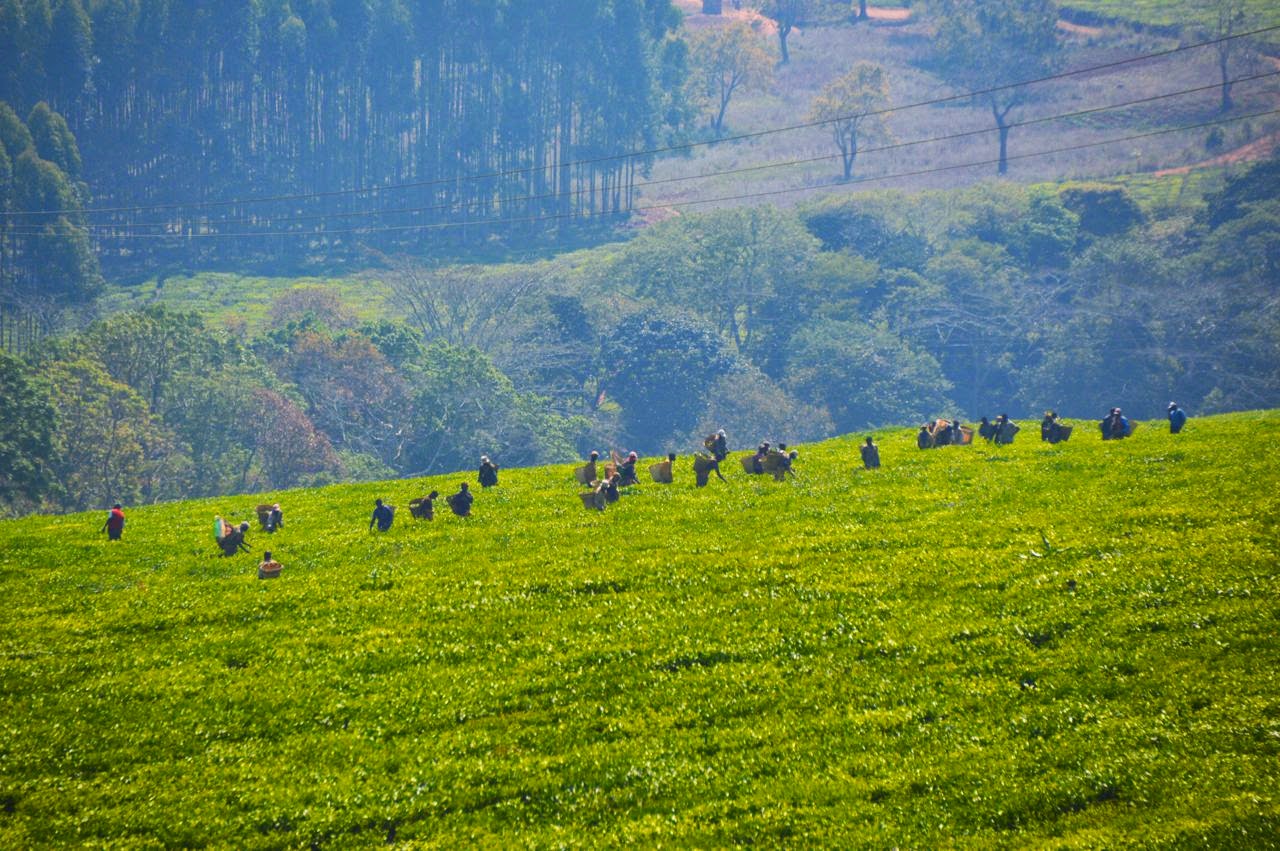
(1071, 645)
(243, 301)
(1176, 13)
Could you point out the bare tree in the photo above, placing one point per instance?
(322, 303)
(853, 106)
(786, 14)
(1230, 18)
(463, 305)
(996, 43)
(724, 60)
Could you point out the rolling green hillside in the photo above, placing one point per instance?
(1070, 646)
(240, 300)
(1171, 13)
(245, 301)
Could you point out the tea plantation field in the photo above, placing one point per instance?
(1072, 646)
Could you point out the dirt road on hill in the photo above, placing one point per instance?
(694, 18)
(1258, 149)
(1079, 29)
(877, 13)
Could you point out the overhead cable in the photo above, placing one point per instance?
(649, 152)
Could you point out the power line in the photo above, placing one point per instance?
(113, 229)
(937, 169)
(649, 152)
(699, 201)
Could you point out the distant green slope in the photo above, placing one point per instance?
(246, 300)
(1073, 646)
(1186, 14)
(1181, 13)
(243, 299)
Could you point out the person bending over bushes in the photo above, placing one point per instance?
(233, 541)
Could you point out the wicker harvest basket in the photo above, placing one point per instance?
(661, 472)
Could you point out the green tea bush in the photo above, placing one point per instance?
(1069, 646)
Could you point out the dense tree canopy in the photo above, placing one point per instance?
(155, 405)
(728, 265)
(46, 259)
(877, 309)
(108, 444)
(178, 101)
(865, 376)
(659, 366)
(464, 407)
(26, 435)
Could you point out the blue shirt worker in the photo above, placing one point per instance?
(382, 515)
(1115, 426)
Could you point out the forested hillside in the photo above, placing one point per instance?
(299, 135)
(795, 325)
(47, 261)
(177, 103)
(531, 229)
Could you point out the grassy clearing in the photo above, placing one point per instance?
(243, 301)
(1173, 191)
(849, 659)
(1187, 14)
(819, 54)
